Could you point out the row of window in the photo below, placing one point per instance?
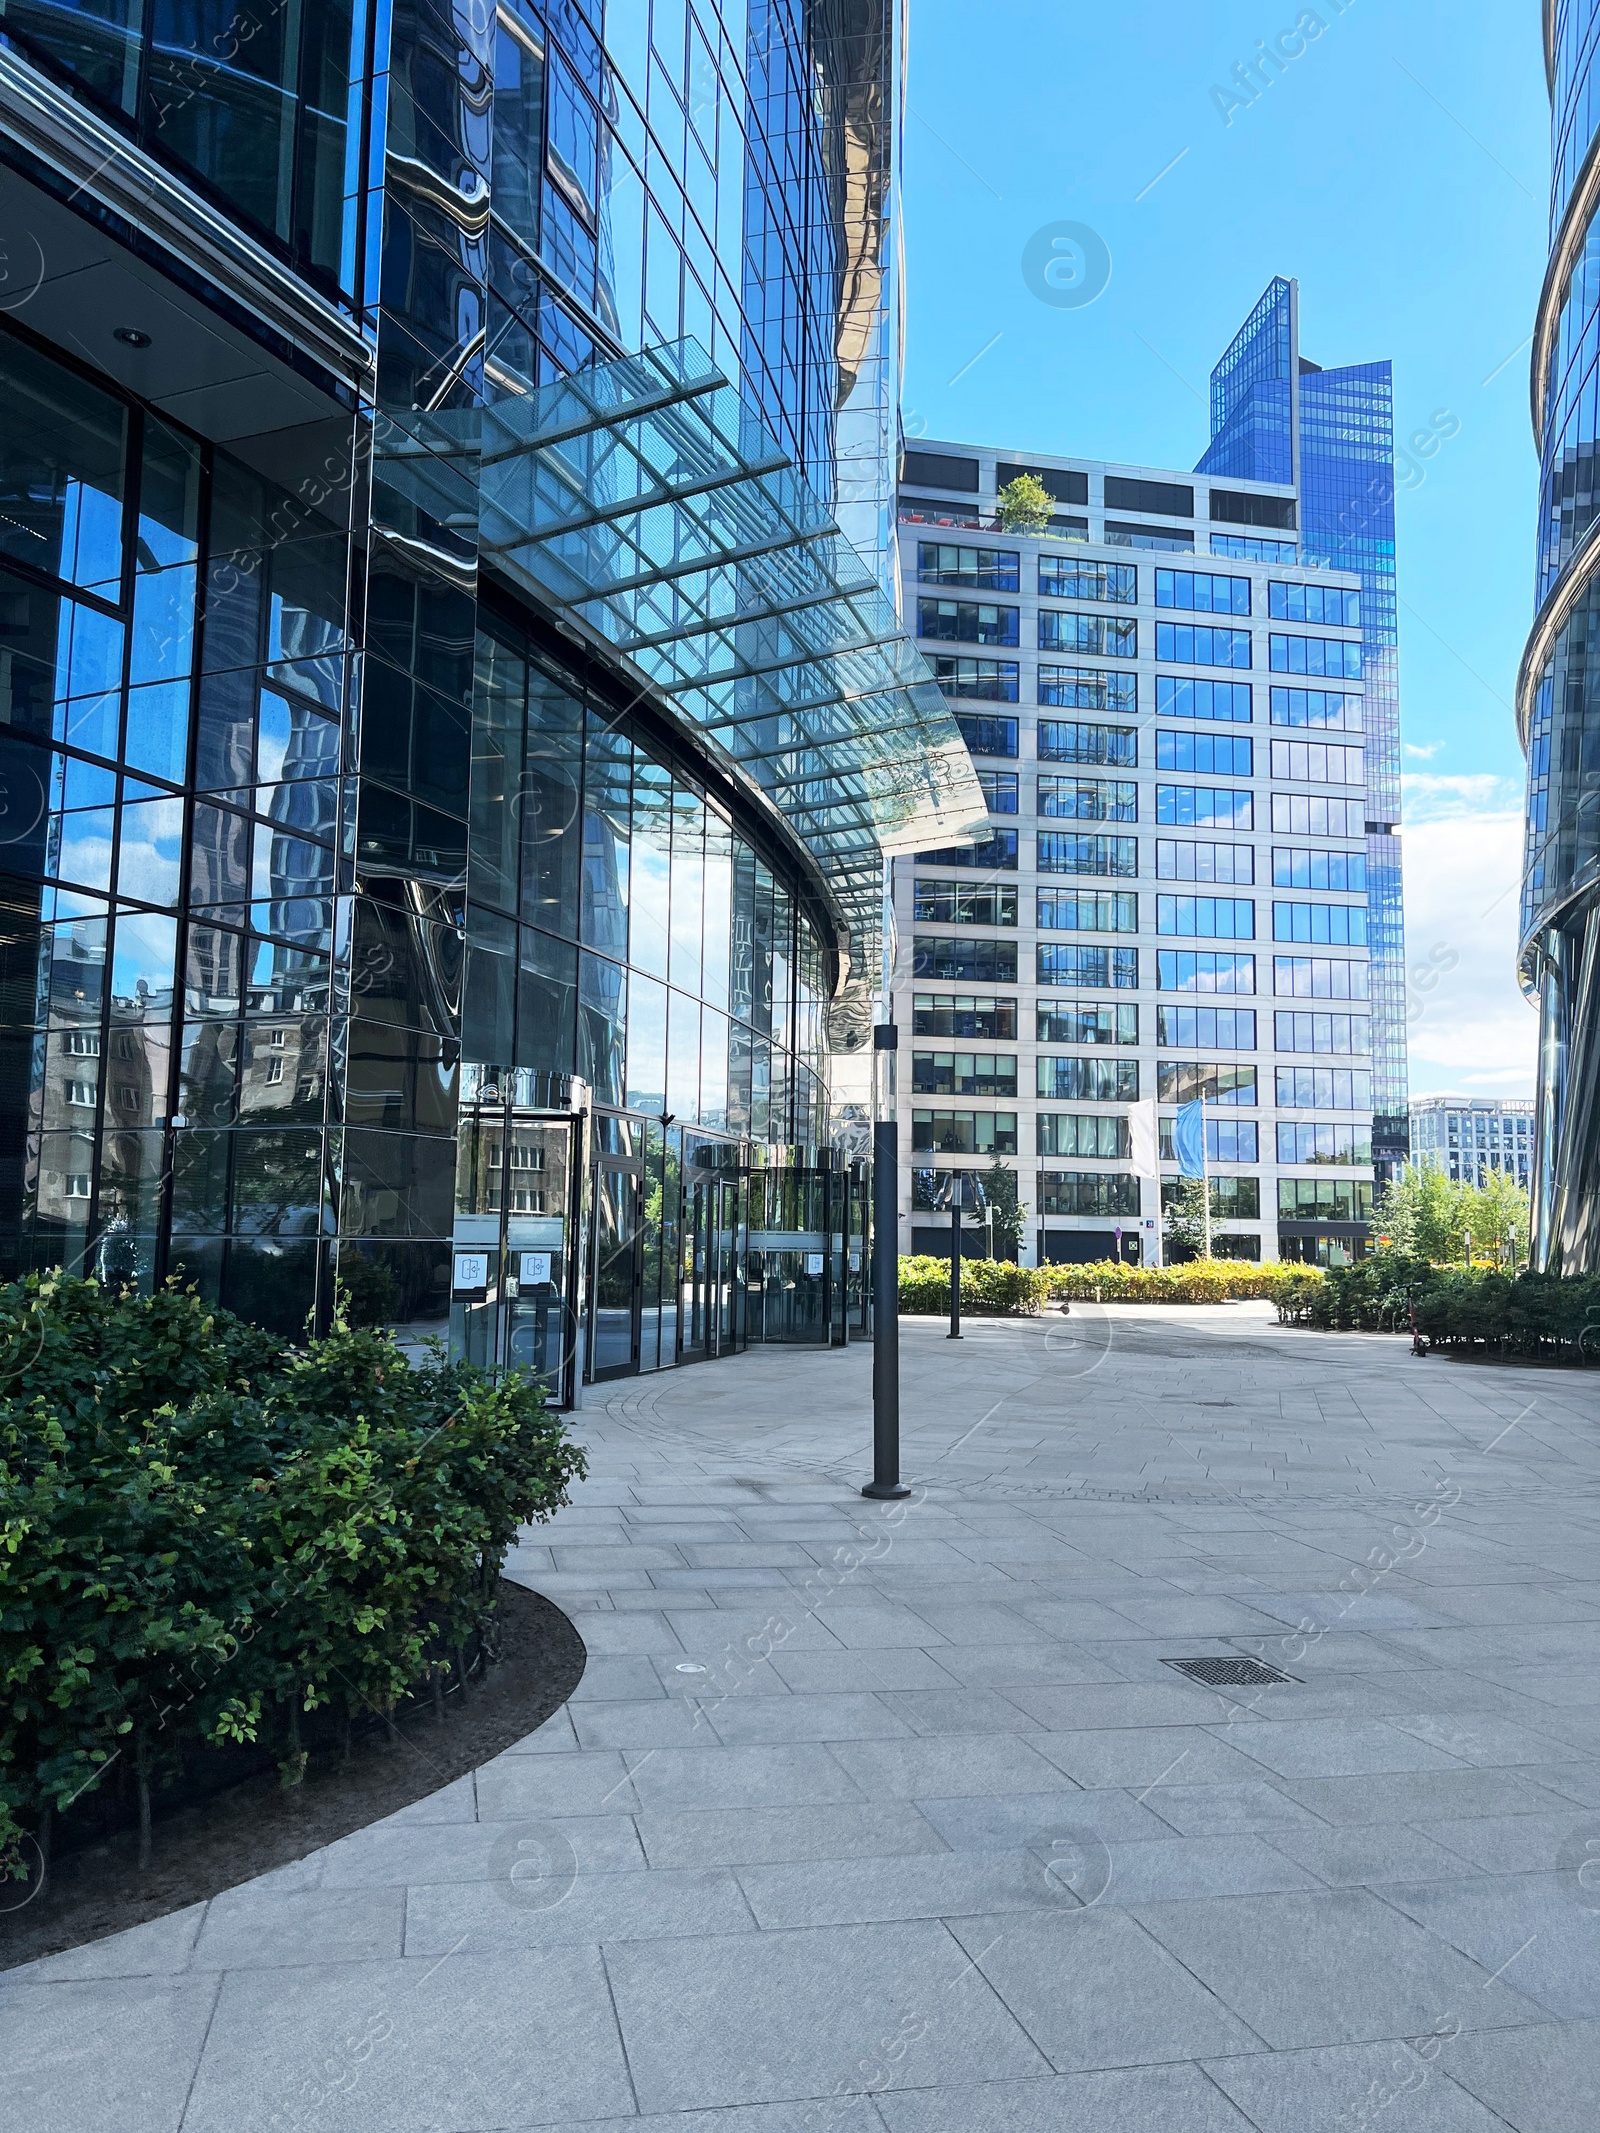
(993, 1018)
(1094, 1136)
(1077, 740)
(1189, 644)
(1083, 1078)
(1182, 806)
(1219, 918)
(1067, 578)
(1177, 696)
(1182, 970)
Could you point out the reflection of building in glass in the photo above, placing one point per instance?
(448, 748)
(1468, 1136)
(1558, 688)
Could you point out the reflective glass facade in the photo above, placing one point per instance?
(440, 804)
(1558, 690)
(1275, 416)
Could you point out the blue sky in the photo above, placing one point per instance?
(1399, 167)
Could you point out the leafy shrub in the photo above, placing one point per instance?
(205, 1534)
(1197, 1281)
(990, 1288)
(1479, 1309)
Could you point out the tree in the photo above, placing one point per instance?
(1186, 1218)
(1025, 505)
(1000, 1189)
(1428, 1214)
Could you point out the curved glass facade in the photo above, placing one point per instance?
(373, 916)
(1559, 707)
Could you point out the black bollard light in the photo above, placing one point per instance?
(886, 1480)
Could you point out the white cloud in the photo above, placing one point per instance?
(1469, 1026)
(1422, 754)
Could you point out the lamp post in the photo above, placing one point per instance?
(885, 1480)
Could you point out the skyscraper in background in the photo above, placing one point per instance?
(1328, 435)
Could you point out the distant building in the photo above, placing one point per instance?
(1468, 1136)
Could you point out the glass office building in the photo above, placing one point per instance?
(449, 745)
(1327, 436)
(1558, 687)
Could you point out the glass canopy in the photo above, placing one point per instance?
(644, 500)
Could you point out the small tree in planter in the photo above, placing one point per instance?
(1008, 1214)
(1025, 505)
(1186, 1219)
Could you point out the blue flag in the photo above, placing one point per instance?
(1189, 1140)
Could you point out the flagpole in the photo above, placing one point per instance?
(1205, 1174)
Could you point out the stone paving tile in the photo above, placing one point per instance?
(1148, 1755)
(1336, 1967)
(860, 1716)
(1538, 2081)
(948, 1765)
(796, 2014)
(1345, 2086)
(246, 1926)
(484, 1916)
(1368, 1857)
(1336, 1747)
(1175, 2099)
(1002, 1821)
(791, 1774)
(115, 2053)
(1540, 1931)
(1420, 1796)
(741, 1836)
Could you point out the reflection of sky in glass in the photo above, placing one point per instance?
(144, 949)
(150, 860)
(647, 1045)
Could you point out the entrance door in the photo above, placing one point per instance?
(711, 1280)
(618, 1283)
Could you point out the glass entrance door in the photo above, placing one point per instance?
(711, 1280)
(616, 1290)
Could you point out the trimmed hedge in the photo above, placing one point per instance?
(1199, 1281)
(205, 1534)
(990, 1288)
(1480, 1309)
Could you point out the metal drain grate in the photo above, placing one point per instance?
(1229, 1673)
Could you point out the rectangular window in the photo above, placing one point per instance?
(1101, 636)
(1305, 868)
(1315, 603)
(1065, 852)
(1075, 1080)
(1202, 592)
(1085, 911)
(994, 854)
(1335, 925)
(1312, 815)
(994, 570)
(964, 1132)
(1088, 1192)
(1099, 969)
(1350, 1035)
(988, 736)
(1089, 799)
(1168, 499)
(1242, 507)
(999, 791)
(1204, 970)
(1179, 860)
(960, 903)
(1228, 1140)
(992, 681)
(1325, 1199)
(81, 1043)
(1063, 577)
(1324, 1089)
(82, 1094)
(1230, 1029)
(1318, 977)
(1318, 710)
(1192, 644)
(1318, 763)
(1086, 1022)
(1218, 755)
(1232, 1199)
(1315, 655)
(1187, 1081)
(1181, 696)
(963, 1074)
(1088, 689)
(971, 622)
(1172, 540)
(955, 1014)
(1304, 1142)
(1207, 918)
(1246, 548)
(959, 962)
(1204, 807)
(1063, 741)
(1082, 1133)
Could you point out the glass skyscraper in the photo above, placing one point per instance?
(1558, 687)
(448, 747)
(1328, 437)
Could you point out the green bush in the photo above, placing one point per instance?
(1479, 1309)
(205, 1534)
(1197, 1281)
(990, 1288)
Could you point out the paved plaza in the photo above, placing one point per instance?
(873, 1819)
